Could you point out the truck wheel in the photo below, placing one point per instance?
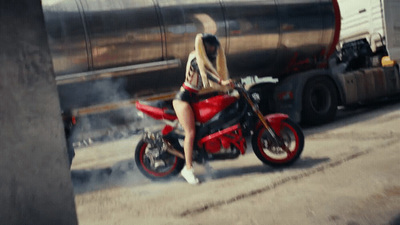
(320, 101)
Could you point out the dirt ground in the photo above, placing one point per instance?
(348, 174)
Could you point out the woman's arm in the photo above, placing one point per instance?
(213, 77)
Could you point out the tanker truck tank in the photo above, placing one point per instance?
(140, 46)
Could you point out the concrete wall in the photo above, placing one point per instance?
(35, 183)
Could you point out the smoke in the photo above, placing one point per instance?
(112, 114)
(122, 173)
(107, 139)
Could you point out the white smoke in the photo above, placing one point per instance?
(122, 121)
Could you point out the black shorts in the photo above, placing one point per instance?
(186, 96)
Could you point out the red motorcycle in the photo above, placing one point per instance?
(223, 121)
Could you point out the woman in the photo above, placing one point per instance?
(206, 68)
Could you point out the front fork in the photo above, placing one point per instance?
(277, 140)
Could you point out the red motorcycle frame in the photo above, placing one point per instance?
(223, 121)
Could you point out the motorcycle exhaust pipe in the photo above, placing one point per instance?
(174, 152)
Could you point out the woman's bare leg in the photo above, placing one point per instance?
(185, 116)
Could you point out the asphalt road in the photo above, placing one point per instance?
(348, 174)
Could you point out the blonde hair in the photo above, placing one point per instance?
(205, 64)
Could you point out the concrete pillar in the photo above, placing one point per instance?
(35, 183)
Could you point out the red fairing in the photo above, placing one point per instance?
(207, 109)
(154, 112)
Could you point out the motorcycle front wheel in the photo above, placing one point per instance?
(273, 155)
(155, 164)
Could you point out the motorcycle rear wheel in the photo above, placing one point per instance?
(172, 165)
(271, 155)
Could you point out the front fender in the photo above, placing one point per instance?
(275, 120)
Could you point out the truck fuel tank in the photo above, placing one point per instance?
(140, 47)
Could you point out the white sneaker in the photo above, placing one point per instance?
(189, 175)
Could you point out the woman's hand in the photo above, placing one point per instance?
(228, 83)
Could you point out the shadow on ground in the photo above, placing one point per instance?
(120, 174)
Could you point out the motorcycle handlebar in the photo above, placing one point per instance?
(238, 85)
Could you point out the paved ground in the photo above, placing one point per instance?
(348, 174)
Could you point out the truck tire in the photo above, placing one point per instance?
(320, 101)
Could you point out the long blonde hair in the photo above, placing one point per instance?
(205, 64)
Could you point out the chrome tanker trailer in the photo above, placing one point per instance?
(141, 46)
(106, 54)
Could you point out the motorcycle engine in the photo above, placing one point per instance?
(213, 146)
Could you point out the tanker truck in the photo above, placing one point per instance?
(108, 54)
